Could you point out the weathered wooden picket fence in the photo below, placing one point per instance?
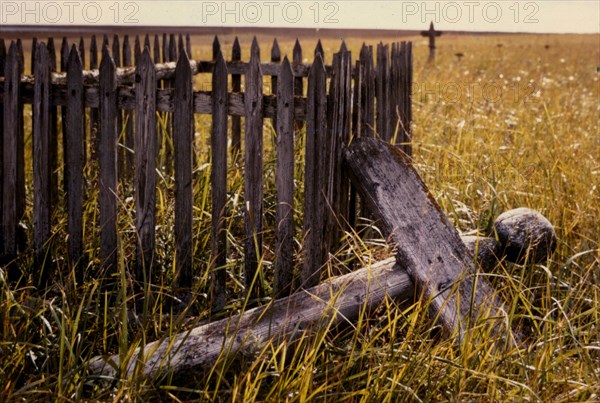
(343, 100)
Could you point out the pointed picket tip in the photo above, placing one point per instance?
(183, 64)
(343, 47)
(146, 42)
(105, 40)
(74, 56)
(297, 53)
(319, 49)
(220, 62)
(255, 49)
(64, 44)
(285, 70)
(216, 47)
(275, 52)
(107, 60)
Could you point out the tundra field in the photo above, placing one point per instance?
(512, 123)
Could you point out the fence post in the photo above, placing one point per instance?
(236, 86)
(12, 142)
(156, 49)
(145, 167)
(338, 119)
(298, 84)
(314, 177)
(73, 138)
(128, 117)
(383, 91)
(94, 114)
(82, 51)
(183, 125)
(107, 162)
(219, 182)
(121, 152)
(42, 160)
(284, 236)
(2, 65)
(53, 127)
(64, 57)
(253, 180)
(275, 58)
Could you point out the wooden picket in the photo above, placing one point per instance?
(343, 100)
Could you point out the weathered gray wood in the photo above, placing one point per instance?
(165, 48)
(41, 163)
(53, 131)
(82, 51)
(145, 167)
(368, 91)
(338, 132)
(10, 145)
(64, 57)
(319, 50)
(275, 58)
(336, 302)
(383, 93)
(137, 50)
(314, 176)
(427, 245)
(105, 43)
(172, 48)
(525, 235)
(121, 152)
(73, 137)
(284, 177)
(253, 179)
(156, 49)
(219, 183)
(128, 118)
(298, 81)
(180, 44)
(183, 125)
(94, 114)
(34, 43)
(2, 65)
(236, 87)
(147, 44)
(107, 163)
(21, 234)
(164, 100)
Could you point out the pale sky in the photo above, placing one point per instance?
(568, 16)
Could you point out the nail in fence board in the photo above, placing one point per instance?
(107, 162)
(183, 124)
(219, 182)
(41, 162)
(253, 179)
(74, 135)
(145, 167)
(427, 244)
(284, 176)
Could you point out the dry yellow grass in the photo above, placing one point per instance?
(507, 126)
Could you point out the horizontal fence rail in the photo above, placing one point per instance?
(121, 139)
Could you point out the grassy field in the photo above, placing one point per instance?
(513, 123)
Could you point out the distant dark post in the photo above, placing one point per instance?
(431, 34)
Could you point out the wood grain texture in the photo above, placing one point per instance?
(253, 179)
(74, 135)
(183, 125)
(10, 141)
(107, 164)
(427, 245)
(2, 66)
(145, 165)
(314, 176)
(336, 302)
(128, 118)
(284, 183)
(236, 87)
(41, 163)
(219, 184)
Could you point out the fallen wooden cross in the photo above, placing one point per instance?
(340, 300)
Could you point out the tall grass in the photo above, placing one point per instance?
(531, 140)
